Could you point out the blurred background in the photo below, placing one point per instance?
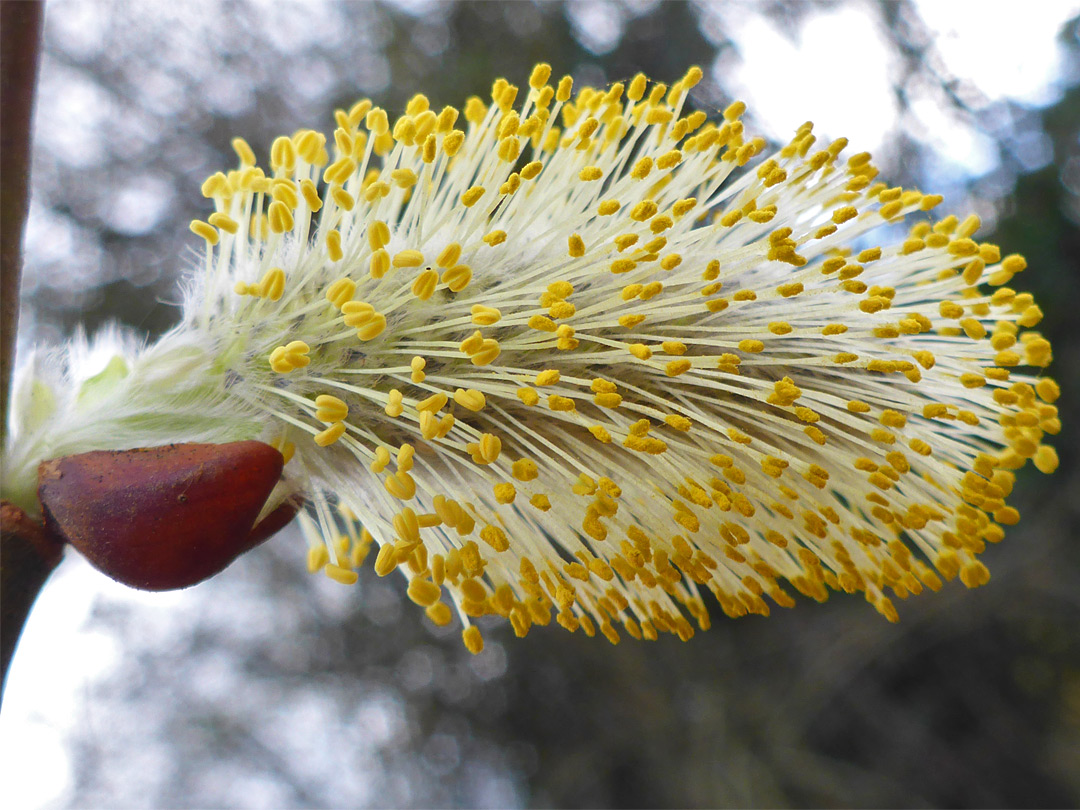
(266, 687)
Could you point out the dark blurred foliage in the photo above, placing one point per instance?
(272, 688)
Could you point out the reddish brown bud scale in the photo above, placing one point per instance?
(161, 518)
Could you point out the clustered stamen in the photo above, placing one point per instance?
(573, 356)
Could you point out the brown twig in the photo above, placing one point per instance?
(27, 554)
(20, 34)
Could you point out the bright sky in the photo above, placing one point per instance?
(835, 73)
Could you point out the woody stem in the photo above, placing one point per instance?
(27, 555)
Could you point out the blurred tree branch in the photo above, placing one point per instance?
(28, 554)
(20, 30)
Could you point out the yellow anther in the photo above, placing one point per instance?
(215, 185)
(376, 191)
(531, 170)
(650, 290)
(333, 246)
(205, 230)
(440, 614)
(341, 292)
(386, 560)
(561, 309)
(676, 367)
(408, 258)
(1048, 389)
(642, 168)
(378, 235)
(608, 400)
(404, 130)
(556, 402)
(286, 358)
(243, 151)
(279, 217)
(433, 404)
(310, 194)
(505, 493)
(487, 353)
(484, 315)
(317, 557)
(470, 399)
(309, 146)
(403, 178)
(286, 448)
(474, 642)
(424, 286)
(512, 184)
(734, 111)
(424, 592)
(669, 160)
(393, 409)
(577, 246)
(429, 425)
(344, 200)
(471, 344)
(509, 149)
(643, 211)
(272, 284)
(494, 238)
(282, 155)
(449, 255)
(327, 437)
(376, 121)
(400, 485)
(525, 469)
(548, 377)
(224, 222)
(661, 223)
(490, 447)
(357, 313)
(330, 408)
(284, 190)
(430, 149)
(339, 171)
(452, 142)
(539, 76)
(790, 289)
(457, 277)
(373, 328)
(971, 380)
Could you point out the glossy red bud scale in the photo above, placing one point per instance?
(160, 518)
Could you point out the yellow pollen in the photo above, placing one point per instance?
(504, 493)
